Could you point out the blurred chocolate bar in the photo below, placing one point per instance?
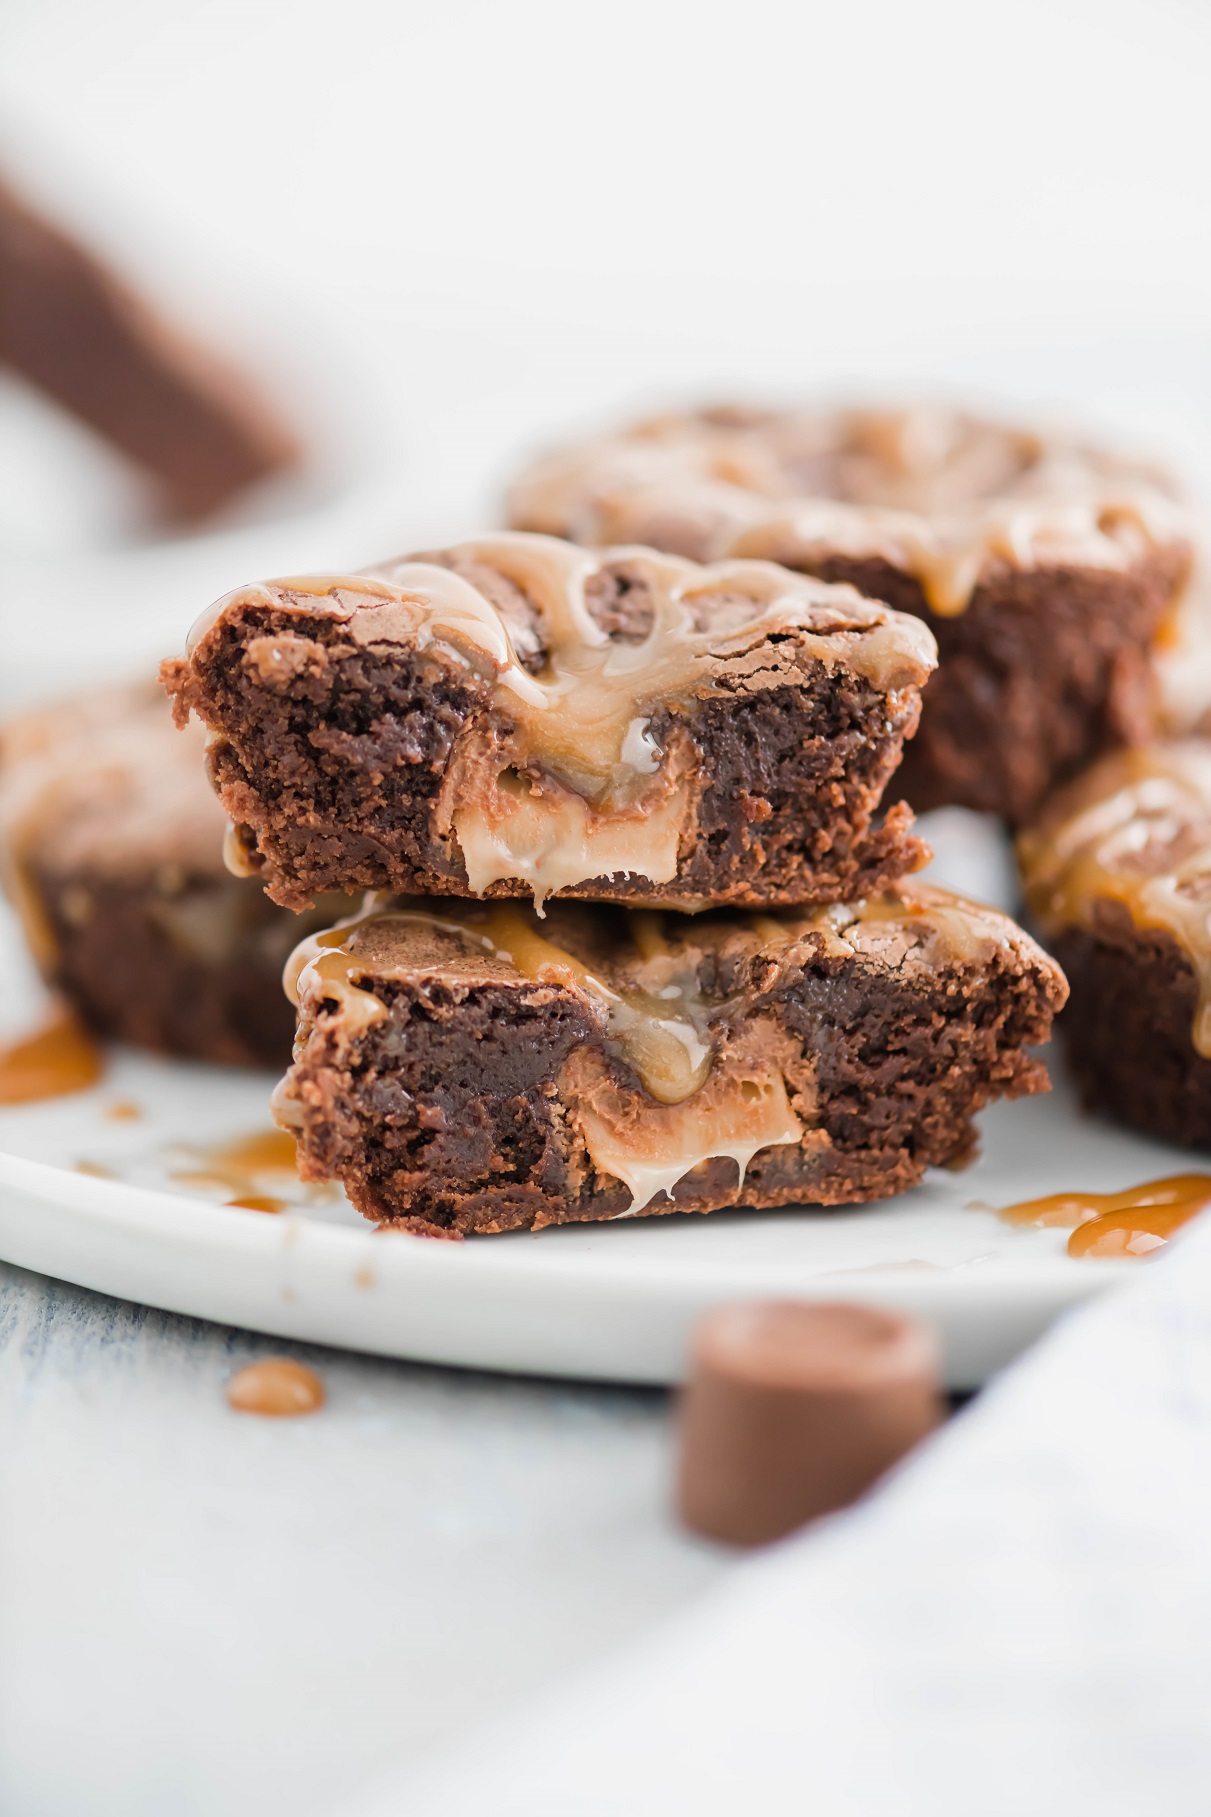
(200, 430)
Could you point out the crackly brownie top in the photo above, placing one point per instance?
(1134, 831)
(581, 656)
(931, 491)
(103, 783)
(658, 982)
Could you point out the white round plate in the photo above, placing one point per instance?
(613, 1301)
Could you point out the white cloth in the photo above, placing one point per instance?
(1017, 1623)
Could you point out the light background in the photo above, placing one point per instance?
(471, 224)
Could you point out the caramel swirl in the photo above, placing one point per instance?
(1136, 831)
(933, 492)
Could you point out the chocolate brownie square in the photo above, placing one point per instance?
(519, 717)
(465, 1067)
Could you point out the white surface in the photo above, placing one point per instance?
(207, 1614)
(1017, 1623)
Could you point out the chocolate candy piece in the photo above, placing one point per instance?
(794, 1409)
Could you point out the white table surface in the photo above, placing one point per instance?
(212, 1614)
(462, 227)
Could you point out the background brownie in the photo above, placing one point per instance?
(1118, 877)
(112, 854)
(1044, 567)
(516, 716)
(491, 1071)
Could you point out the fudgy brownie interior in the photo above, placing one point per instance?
(463, 1068)
(516, 717)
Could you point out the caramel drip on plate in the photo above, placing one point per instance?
(243, 1167)
(1136, 831)
(58, 1058)
(1119, 1224)
(934, 492)
(277, 1387)
(568, 780)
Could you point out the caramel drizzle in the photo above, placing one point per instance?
(665, 1029)
(926, 491)
(581, 788)
(1128, 1224)
(661, 1033)
(1136, 831)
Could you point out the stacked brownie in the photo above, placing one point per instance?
(1045, 567)
(641, 938)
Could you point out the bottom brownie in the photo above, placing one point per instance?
(482, 1071)
(112, 854)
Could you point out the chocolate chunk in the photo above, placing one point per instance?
(794, 1409)
(72, 327)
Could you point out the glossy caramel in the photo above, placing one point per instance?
(1125, 1224)
(277, 1387)
(58, 1058)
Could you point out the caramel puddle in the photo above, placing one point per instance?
(58, 1058)
(277, 1388)
(1127, 1224)
(239, 1168)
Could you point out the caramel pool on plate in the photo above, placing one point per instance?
(1125, 1224)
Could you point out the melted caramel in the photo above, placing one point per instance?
(58, 1058)
(663, 1037)
(242, 1167)
(1123, 1224)
(934, 493)
(565, 780)
(717, 1090)
(278, 1387)
(1136, 830)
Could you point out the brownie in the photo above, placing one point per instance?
(201, 432)
(1044, 566)
(465, 1067)
(516, 716)
(111, 843)
(1118, 878)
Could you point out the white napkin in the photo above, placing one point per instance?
(1018, 1622)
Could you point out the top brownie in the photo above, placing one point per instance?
(1044, 565)
(518, 716)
